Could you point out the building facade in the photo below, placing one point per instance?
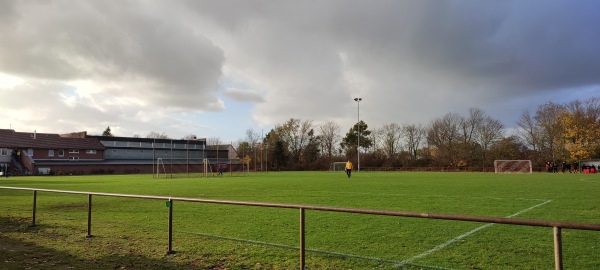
(78, 153)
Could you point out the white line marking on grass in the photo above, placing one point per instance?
(314, 250)
(467, 234)
(588, 180)
(393, 194)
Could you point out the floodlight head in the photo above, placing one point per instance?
(357, 99)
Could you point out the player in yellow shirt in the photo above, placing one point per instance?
(348, 168)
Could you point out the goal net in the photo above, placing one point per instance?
(513, 166)
(337, 166)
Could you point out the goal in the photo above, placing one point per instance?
(337, 166)
(159, 163)
(513, 166)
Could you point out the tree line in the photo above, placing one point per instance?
(554, 132)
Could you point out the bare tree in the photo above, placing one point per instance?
(414, 135)
(213, 140)
(444, 135)
(253, 138)
(189, 137)
(329, 133)
(529, 131)
(488, 132)
(156, 135)
(390, 135)
(296, 134)
(468, 127)
(216, 141)
(548, 119)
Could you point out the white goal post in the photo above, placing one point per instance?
(513, 166)
(337, 166)
(159, 163)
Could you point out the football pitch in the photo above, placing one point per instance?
(132, 232)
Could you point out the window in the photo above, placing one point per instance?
(73, 151)
(61, 152)
(73, 158)
(3, 151)
(90, 151)
(50, 152)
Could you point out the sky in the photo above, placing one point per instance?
(216, 69)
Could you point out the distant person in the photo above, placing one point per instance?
(220, 168)
(348, 168)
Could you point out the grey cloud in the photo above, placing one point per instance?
(243, 95)
(439, 55)
(115, 43)
(410, 60)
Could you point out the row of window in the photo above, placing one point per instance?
(152, 145)
(61, 152)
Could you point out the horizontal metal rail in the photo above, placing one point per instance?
(556, 225)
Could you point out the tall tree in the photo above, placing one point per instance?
(510, 147)
(243, 149)
(294, 133)
(468, 128)
(350, 142)
(548, 119)
(414, 135)
(444, 135)
(488, 132)
(310, 153)
(329, 133)
(390, 136)
(277, 150)
(107, 132)
(581, 122)
(253, 138)
(529, 131)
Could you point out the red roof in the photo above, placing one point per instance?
(14, 140)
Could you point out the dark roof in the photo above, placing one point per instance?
(199, 141)
(12, 139)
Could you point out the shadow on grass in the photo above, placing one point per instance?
(19, 249)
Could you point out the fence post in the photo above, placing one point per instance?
(89, 225)
(170, 205)
(558, 263)
(34, 207)
(302, 240)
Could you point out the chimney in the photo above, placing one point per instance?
(34, 134)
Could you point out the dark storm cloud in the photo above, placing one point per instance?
(404, 56)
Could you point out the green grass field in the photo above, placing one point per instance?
(131, 233)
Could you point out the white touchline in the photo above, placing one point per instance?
(468, 234)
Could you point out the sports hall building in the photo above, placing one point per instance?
(32, 153)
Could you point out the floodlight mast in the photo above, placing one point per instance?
(358, 128)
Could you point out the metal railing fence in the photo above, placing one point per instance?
(556, 225)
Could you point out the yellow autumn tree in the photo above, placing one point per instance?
(581, 134)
